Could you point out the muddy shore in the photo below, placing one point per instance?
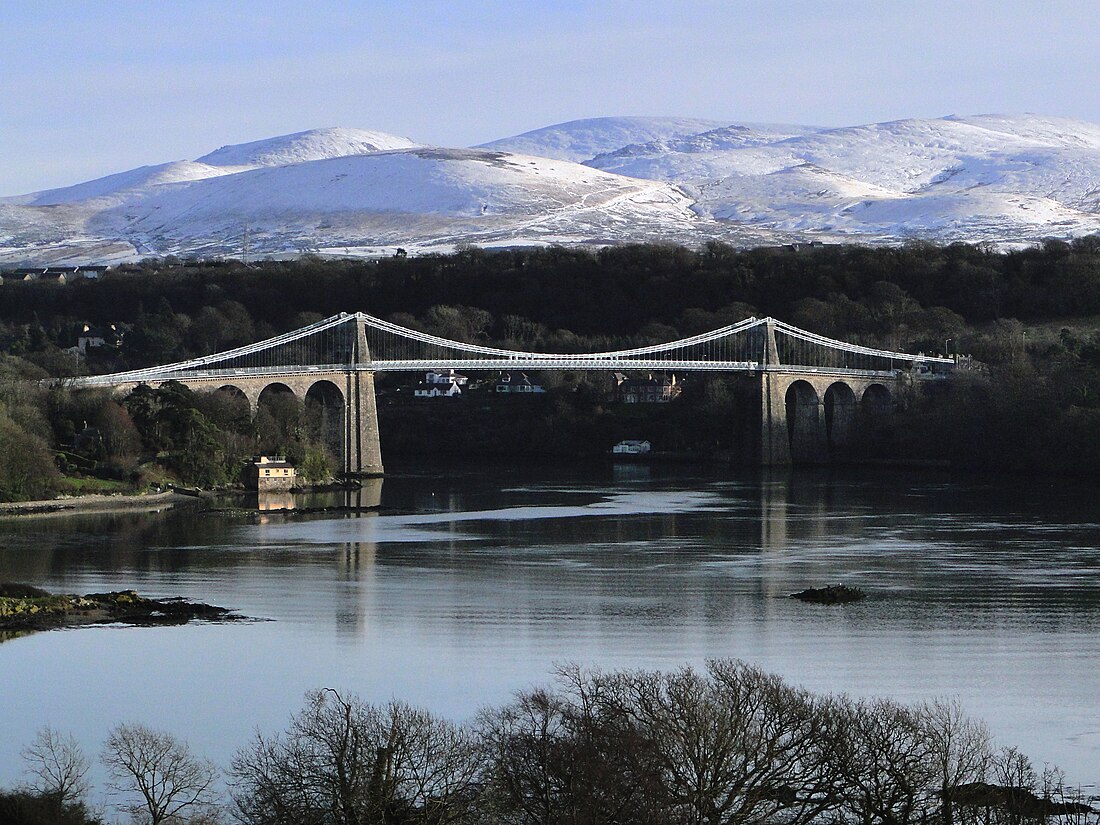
(151, 502)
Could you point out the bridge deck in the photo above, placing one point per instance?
(587, 365)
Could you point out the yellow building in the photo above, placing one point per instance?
(267, 473)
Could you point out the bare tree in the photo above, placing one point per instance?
(1014, 772)
(161, 769)
(58, 765)
(960, 749)
(1069, 804)
(730, 745)
(435, 764)
(525, 742)
(885, 761)
(613, 753)
(734, 745)
(346, 762)
(326, 768)
(568, 757)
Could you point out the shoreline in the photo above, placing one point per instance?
(98, 503)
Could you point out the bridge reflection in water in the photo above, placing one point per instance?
(354, 501)
(802, 392)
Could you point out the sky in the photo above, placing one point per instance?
(92, 88)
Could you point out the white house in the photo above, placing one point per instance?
(448, 377)
(631, 447)
(427, 389)
(512, 382)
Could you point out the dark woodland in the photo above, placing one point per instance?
(1030, 319)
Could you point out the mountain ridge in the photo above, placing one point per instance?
(1005, 179)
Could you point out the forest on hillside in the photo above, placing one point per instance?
(1028, 317)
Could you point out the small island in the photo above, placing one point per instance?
(23, 607)
(833, 594)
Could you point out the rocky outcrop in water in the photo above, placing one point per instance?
(23, 607)
(833, 594)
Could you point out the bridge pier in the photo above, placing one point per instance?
(363, 446)
(775, 442)
(363, 450)
(359, 451)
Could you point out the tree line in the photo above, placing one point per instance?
(911, 293)
(730, 744)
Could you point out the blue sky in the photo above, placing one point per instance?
(91, 88)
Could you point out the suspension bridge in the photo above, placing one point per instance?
(809, 387)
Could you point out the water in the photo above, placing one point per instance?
(471, 583)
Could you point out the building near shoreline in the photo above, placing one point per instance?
(270, 474)
(631, 447)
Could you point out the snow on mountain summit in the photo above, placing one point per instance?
(315, 144)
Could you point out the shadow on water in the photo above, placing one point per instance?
(367, 495)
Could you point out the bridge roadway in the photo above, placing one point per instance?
(471, 365)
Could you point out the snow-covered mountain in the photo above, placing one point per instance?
(431, 196)
(989, 177)
(993, 178)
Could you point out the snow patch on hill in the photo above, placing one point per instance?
(580, 140)
(315, 144)
(714, 153)
(468, 182)
(1023, 177)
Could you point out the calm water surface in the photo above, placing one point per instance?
(471, 583)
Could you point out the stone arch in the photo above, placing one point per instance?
(326, 416)
(231, 407)
(274, 389)
(805, 423)
(876, 420)
(840, 419)
(235, 392)
(877, 400)
(278, 416)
